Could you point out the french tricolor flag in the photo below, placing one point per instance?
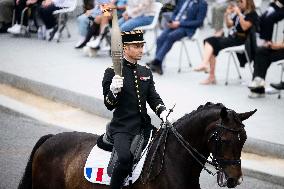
(99, 173)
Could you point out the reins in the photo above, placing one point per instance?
(198, 157)
(191, 149)
(163, 134)
(216, 163)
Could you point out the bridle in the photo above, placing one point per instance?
(216, 138)
(217, 162)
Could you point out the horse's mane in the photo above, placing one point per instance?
(206, 107)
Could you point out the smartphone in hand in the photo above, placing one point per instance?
(168, 17)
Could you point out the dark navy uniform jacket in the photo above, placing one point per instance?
(130, 113)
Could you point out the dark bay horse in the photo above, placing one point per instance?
(175, 159)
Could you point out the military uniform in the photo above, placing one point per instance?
(130, 114)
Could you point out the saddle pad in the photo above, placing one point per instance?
(95, 170)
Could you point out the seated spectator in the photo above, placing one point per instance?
(87, 29)
(138, 13)
(46, 13)
(6, 14)
(245, 17)
(187, 17)
(263, 58)
(272, 15)
(19, 7)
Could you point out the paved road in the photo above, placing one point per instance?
(18, 134)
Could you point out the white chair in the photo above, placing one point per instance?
(276, 36)
(62, 19)
(275, 32)
(258, 4)
(25, 31)
(280, 63)
(153, 25)
(195, 38)
(232, 53)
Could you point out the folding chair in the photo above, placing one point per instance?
(251, 43)
(232, 53)
(153, 25)
(195, 39)
(258, 4)
(280, 63)
(31, 10)
(275, 32)
(63, 18)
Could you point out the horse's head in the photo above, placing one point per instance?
(226, 140)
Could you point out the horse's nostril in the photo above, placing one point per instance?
(231, 183)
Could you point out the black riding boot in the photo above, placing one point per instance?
(120, 172)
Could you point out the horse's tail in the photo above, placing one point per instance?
(26, 181)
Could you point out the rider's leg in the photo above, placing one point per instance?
(122, 143)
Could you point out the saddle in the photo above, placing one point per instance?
(105, 142)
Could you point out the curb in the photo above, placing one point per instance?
(263, 176)
(264, 148)
(96, 106)
(18, 113)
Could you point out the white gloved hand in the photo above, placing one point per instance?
(116, 84)
(165, 116)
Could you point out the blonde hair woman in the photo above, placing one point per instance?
(244, 18)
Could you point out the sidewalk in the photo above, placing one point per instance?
(59, 72)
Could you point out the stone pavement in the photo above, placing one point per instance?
(59, 72)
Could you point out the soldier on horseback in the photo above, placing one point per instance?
(127, 95)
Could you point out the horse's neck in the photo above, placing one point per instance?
(194, 130)
(194, 133)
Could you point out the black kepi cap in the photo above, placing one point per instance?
(130, 37)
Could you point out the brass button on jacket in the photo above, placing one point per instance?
(130, 113)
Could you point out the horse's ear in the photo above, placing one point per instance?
(246, 115)
(223, 113)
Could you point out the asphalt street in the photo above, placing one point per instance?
(18, 134)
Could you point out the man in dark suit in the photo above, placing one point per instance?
(188, 15)
(128, 95)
